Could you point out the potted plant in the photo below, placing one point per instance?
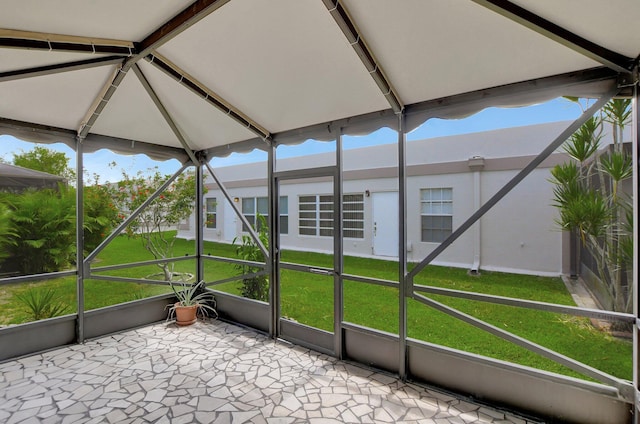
(192, 299)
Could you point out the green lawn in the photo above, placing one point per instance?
(308, 298)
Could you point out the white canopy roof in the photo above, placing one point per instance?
(154, 76)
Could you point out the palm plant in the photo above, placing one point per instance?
(584, 143)
(587, 195)
(617, 112)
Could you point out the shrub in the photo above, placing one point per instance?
(6, 232)
(256, 287)
(44, 226)
(100, 215)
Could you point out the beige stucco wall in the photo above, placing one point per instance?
(518, 235)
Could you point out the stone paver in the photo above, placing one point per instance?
(215, 372)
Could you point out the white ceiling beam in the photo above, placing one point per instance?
(30, 40)
(341, 15)
(40, 71)
(165, 113)
(180, 22)
(600, 54)
(198, 88)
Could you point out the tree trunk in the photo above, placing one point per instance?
(167, 270)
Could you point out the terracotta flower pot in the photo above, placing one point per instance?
(185, 315)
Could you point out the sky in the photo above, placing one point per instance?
(98, 163)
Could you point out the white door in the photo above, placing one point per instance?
(230, 222)
(385, 223)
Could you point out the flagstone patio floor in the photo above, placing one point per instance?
(215, 372)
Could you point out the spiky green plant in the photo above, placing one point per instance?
(587, 195)
(42, 303)
(618, 166)
(193, 295)
(617, 112)
(585, 142)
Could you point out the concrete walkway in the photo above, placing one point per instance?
(214, 372)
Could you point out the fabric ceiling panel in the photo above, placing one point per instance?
(131, 114)
(432, 49)
(285, 64)
(59, 100)
(119, 19)
(203, 125)
(601, 81)
(14, 59)
(595, 20)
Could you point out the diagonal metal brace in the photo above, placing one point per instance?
(625, 388)
(514, 181)
(242, 218)
(134, 215)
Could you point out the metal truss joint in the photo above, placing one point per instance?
(629, 79)
(202, 156)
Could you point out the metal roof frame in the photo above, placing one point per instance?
(595, 68)
(128, 52)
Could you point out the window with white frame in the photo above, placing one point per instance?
(284, 215)
(308, 215)
(315, 215)
(436, 213)
(251, 206)
(211, 218)
(353, 216)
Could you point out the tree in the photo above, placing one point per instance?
(588, 196)
(45, 160)
(174, 205)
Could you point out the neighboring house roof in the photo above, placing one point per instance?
(17, 178)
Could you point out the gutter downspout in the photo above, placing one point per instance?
(476, 165)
